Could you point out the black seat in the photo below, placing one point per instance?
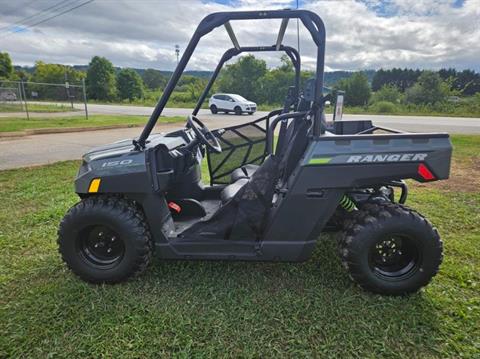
(230, 191)
(243, 172)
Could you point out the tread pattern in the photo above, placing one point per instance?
(125, 210)
(370, 216)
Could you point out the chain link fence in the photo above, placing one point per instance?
(27, 99)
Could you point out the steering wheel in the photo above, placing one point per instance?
(203, 134)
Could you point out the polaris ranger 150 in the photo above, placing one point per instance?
(265, 202)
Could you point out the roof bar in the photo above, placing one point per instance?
(281, 33)
(229, 29)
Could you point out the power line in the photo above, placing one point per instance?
(48, 9)
(56, 15)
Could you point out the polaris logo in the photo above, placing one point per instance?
(388, 157)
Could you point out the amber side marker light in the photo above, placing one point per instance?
(94, 185)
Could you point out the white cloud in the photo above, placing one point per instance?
(142, 33)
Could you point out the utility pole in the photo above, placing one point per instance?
(177, 51)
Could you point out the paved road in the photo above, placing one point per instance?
(404, 123)
(49, 148)
(41, 149)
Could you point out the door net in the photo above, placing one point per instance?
(241, 145)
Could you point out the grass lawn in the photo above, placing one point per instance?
(35, 107)
(9, 124)
(222, 309)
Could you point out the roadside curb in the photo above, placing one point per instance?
(46, 131)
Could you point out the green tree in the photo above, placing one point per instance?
(154, 79)
(6, 67)
(400, 78)
(129, 84)
(244, 77)
(53, 74)
(388, 93)
(429, 89)
(275, 83)
(357, 90)
(101, 83)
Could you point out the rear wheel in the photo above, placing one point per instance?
(105, 240)
(213, 109)
(238, 110)
(390, 249)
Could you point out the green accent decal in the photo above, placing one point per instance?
(319, 161)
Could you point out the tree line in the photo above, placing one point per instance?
(250, 77)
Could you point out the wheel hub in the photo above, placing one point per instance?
(394, 257)
(101, 246)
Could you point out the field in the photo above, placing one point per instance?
(13, 124)
(222, 309)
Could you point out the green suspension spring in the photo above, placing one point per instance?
(347, 204)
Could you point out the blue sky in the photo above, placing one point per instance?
(363, 34)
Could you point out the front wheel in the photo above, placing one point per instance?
(389, 249)
(238, 111)
(105, 240)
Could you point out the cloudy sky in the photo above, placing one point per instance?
(366, 34)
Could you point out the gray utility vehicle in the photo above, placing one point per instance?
(264, 203)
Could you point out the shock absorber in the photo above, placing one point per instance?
(347, 204)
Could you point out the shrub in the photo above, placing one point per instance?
(183, 97)
(388, 93)
(384, 107)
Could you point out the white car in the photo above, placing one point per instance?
(227, 102)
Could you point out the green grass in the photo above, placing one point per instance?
(17, 107)
(222, 309)
(9, 124)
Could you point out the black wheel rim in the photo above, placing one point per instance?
(394, 257)
(100, 246)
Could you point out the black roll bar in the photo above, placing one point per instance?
(310, 20)
(273, 124)
(290, 51)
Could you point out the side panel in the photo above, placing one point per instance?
(362, 160)
(334, 164)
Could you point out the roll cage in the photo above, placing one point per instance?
(310, 20)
